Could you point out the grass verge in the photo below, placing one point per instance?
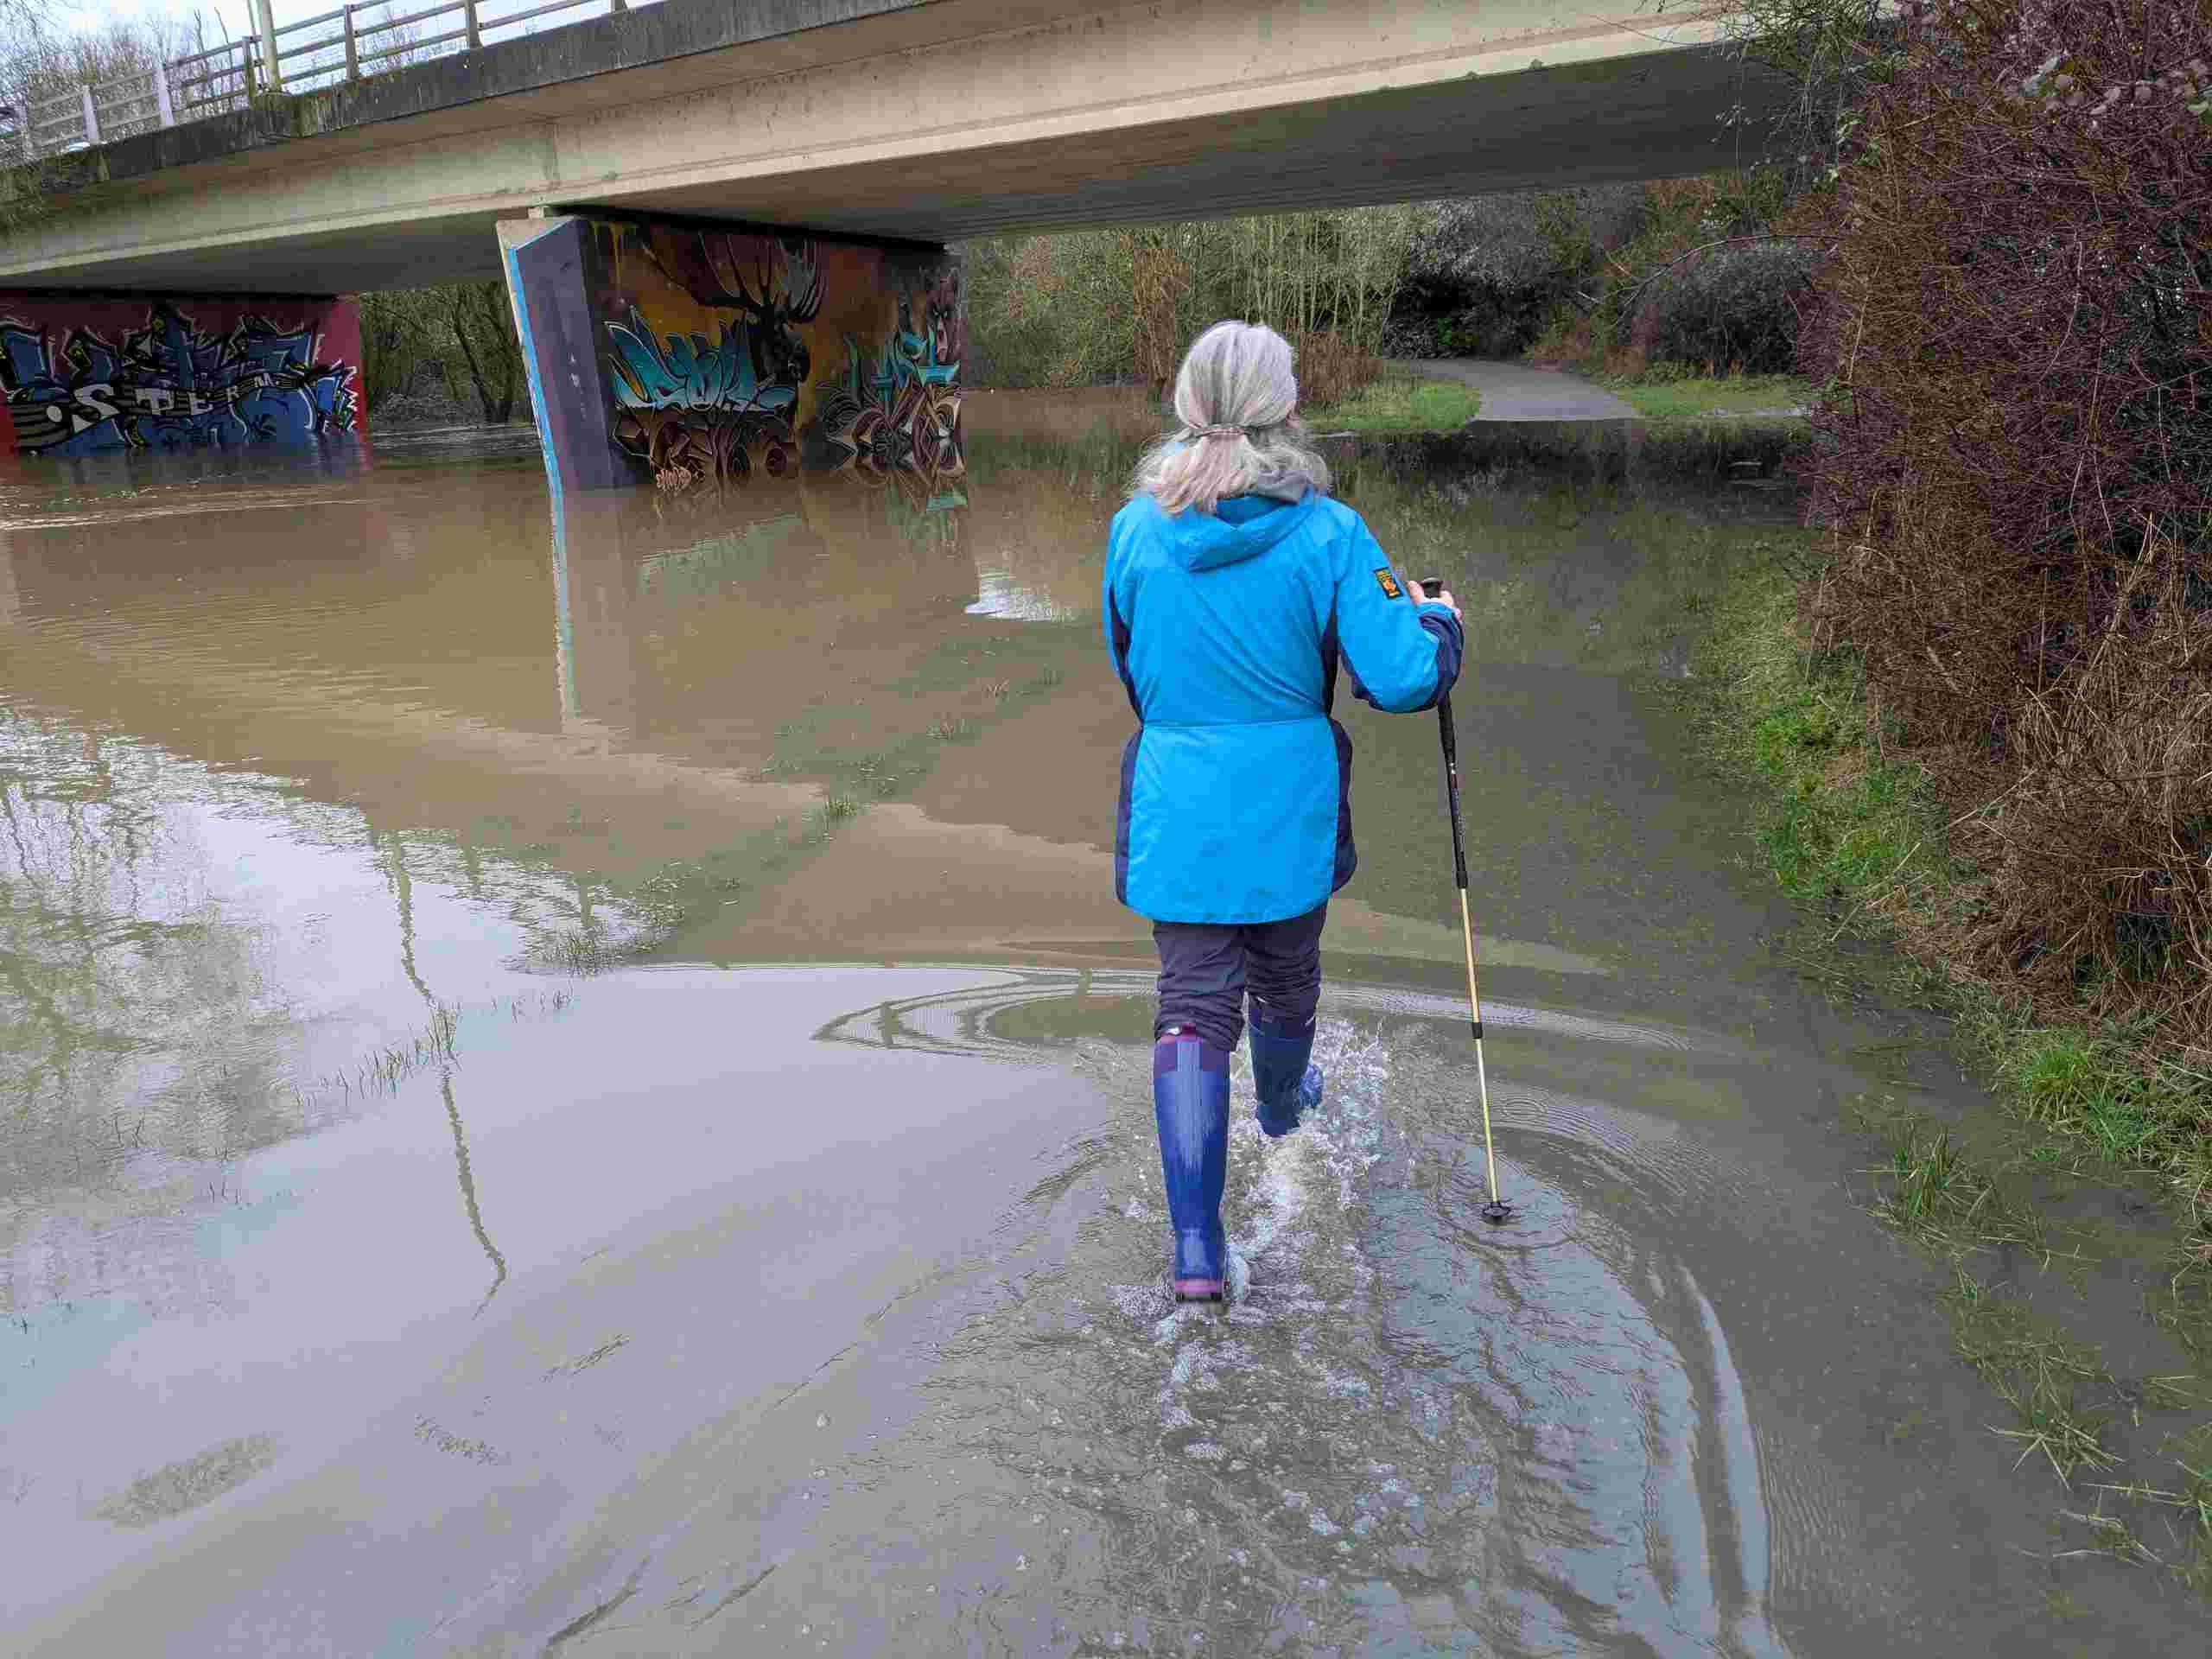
(1400, 404)
(1849, 823)
(1702, 397)
(1851, 827)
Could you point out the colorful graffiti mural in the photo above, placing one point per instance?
(729, 354)
(898, 417)
(80, 375)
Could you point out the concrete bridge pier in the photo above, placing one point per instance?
(701, 355)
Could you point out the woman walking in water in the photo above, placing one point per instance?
(1235, 586)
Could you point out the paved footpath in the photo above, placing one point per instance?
(1521, 392)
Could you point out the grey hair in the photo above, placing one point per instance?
(1241, 435)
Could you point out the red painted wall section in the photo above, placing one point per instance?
(81, 373)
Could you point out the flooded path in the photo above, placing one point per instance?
(574, 1083)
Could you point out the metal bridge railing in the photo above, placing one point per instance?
(351, 42)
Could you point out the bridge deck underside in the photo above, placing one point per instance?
(343, 214)
(1549, 128)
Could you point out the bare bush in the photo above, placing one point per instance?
(1684, 289)
(1333, 368)
(1485, 274)
(1730, 310)
(2015, 324)
(2100, 849)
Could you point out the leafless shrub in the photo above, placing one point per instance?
(1732, 309)
(1331, 368)
(2014, 319)
(2100, 847)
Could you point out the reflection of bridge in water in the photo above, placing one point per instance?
(605, 686)
(781, 566)
(633, 694)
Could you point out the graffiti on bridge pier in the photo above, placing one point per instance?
(898, 416)
(734, 355)
(79, 375)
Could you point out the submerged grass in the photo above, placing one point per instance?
(2040, 1370)
(2175, 1514)
(1932, 1190)
(383, 1070)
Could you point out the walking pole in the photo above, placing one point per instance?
(1496, 1212)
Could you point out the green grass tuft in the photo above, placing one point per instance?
(2079, 1083)
(1704, 398)
(1398, 405)
(1840, 821)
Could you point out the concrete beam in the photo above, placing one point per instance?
(930, 121)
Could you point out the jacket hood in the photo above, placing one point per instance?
(1245, 527)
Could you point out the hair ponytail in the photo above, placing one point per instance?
(1241, 435)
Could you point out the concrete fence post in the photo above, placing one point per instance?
(475, 35)
(91, 116)
(353, 49)
(162, 102)
(272, 72)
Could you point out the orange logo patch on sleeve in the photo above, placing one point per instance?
(1388, 582)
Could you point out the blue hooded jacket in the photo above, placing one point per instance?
(1227, 631)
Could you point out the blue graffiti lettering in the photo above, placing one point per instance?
(171, 384)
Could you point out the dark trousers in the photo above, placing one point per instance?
(1206, 968)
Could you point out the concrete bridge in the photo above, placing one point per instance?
(926, 120)
(906, 122)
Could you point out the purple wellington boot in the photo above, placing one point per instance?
(1286, 1083)
(1190, 1105)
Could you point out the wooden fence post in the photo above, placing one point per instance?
(91, 116)
(163, 101)
(475, 35)
(353, 49)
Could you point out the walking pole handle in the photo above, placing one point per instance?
(1452, 788)
(1431, 587)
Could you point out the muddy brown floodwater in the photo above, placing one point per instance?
(573, 1082)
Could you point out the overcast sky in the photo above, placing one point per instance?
(237, 15)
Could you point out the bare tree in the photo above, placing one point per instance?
(483, 327)
(1830, 54)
